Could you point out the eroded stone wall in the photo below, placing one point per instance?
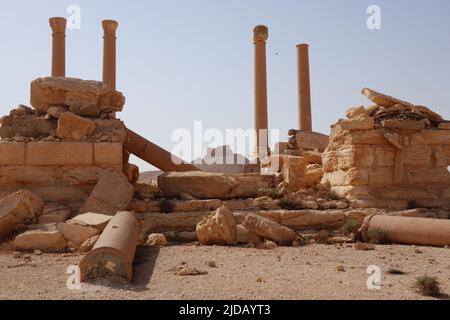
(63, 172)
(396, 163)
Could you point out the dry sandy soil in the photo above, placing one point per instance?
(308, 272)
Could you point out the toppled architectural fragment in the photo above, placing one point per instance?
(18, 208)
(218, 228)
(406, 230)
(75, 95)
(114, 251)
(112, 193)
(46, 238)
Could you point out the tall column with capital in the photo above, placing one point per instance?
(304, 89)
(58, 26)
(260, 36)
(109, 52)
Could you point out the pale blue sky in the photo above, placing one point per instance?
(182, 61)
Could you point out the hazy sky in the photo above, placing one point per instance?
(182, 61)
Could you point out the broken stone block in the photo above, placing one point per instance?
(71, 126)
(312, 219)
(75, 233)
(243, 235)
(18, 208)
(311, 140)
(70, 92)
(403, 124)
(269, 229)
(293, 173)
(112, 193)
(156, 240)
(30, 126)
(314, 174)
(358, 123)
(355, 112)
(95, 220)
(202, 185)
(54, 213)
(46, 238)
(218, 228)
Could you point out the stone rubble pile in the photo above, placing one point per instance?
(66, 109)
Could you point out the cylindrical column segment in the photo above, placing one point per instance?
(260, 36)
(58, 26)
(304, 88)
(405, 230)
(114, 251)
(109, 52)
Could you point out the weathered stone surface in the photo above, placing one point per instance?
(312, 219)
(250, 184)
(197, 205)
(87, 175)
(202, 185)
(95, 220)
(243, 235)
(156, 240)
(358, 123)
(61, 194)
(12, 153)
(75, 233)
(70, 92)
(54, 213)
(311, 140)
(294, 174)
(108, 154)
(112, 193)
(312, 157)
(46, 238)
(268, 229)
(16, 209)
(71, 126)
(28, 175)
(355, 112)
(182, 221)
(416, 213)
(218, 228)
(314, 174)
(403, 124)
(59, 153)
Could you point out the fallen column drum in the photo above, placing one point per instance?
(406, 230)
(114, 251)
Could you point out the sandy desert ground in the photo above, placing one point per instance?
(309, 272)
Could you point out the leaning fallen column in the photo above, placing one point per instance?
(406, 230)
(114, 251)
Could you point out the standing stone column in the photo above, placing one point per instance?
(304, 89)
(109, 52)
(260, 36)
(58, 26)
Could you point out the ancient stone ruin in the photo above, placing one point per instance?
(393, 154)
(67, 184)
